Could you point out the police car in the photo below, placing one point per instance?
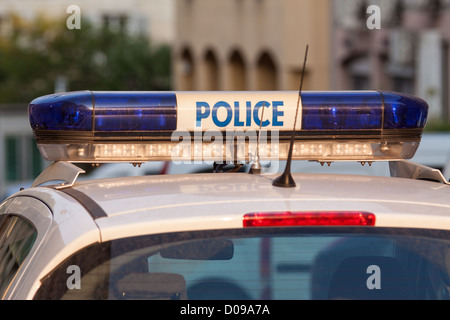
(242, 232)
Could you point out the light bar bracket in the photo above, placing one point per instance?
(59, 171)
(411, 170)
(68, 172)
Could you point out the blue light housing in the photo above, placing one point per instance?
(402, 111)
(138, 111)
(71, 111)
(103, 126)
(104, 111)
(342, 110)
(364, 110)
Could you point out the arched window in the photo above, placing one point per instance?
(237, 72)
(267, 77)
(211, 71)
(187, 71)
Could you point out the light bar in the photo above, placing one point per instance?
(90, 126)
(310, 218)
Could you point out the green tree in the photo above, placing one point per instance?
(33, 55)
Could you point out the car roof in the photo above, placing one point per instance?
(170, 203)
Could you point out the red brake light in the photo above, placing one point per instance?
(311, 218)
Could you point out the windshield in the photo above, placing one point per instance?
(260, 263)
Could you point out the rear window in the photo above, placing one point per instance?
(260, 263)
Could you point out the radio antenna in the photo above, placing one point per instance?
(256, 166)
(285, 180)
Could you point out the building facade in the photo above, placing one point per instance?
(407, 53)
(251, 44)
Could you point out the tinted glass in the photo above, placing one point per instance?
(17, 237)
(260, 263)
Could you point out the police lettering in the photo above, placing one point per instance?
(239, 115)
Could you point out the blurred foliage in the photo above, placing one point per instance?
(34, 54)
(437, 126)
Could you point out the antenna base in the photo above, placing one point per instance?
(255, 168)
(284, 181)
